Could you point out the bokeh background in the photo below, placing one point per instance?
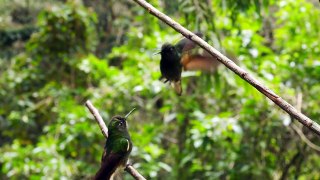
(56, 54)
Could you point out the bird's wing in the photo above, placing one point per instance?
(113, 157)
(195, 58)
(204, 62)
(109, 165)
(186, 44)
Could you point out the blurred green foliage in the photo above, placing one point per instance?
(221, 128)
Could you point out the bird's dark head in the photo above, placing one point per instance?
(168, 49)
(119, 123)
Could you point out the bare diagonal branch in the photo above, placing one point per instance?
(306, 121)
(98, 118)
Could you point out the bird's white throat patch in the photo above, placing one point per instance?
(128, 145)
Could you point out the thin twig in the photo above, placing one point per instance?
(233, 67)
(304, 138)
(129, 168)
(298, 129)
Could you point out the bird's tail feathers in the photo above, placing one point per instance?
(177, 87)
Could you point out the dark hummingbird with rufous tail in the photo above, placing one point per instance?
(117, 149)
(174, 58)
(171, 67)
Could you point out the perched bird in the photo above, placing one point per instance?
(117, 149)
(184, 55)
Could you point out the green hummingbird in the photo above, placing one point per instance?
(117, 149)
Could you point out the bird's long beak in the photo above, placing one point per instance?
(129, 113)
(156, 53)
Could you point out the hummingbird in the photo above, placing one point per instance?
(170, 66)
(183, 56)
(117, 148)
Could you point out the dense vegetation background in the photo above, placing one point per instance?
(56, 54)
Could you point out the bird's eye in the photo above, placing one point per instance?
(120, 124)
